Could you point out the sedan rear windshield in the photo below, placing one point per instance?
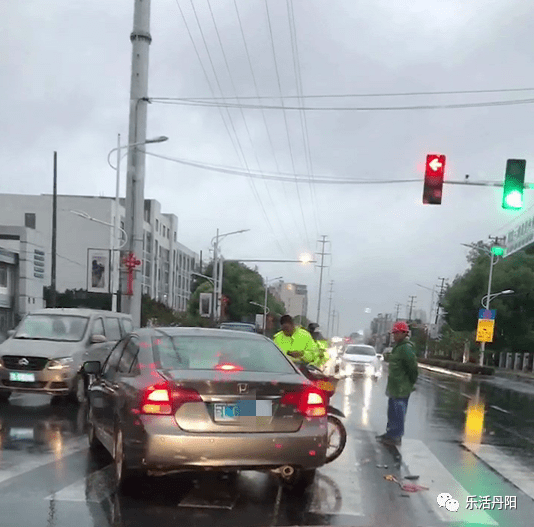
(52, 327)
(360, 350)
(207, 353)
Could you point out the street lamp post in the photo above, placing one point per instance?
(116, 254)
(218, 272)
(429, 316)
(265, 308)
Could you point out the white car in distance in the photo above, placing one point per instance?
(361, 359)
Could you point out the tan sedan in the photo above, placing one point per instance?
(181, 399)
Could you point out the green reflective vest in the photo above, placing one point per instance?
(301, 340)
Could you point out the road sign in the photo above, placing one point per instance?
(487, 314)
(485, 330)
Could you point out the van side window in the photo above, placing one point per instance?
(127, 326)
(98, 327)
(113, 330)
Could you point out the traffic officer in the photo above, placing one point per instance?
(322, 355)
(295, 341)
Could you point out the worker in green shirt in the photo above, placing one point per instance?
(295, 341)
(322, 355)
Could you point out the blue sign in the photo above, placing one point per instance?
(487, 314)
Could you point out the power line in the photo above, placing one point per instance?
(277, 177)
(302, 114)
(244, 119)
(352, 95)
(163, 100)
(285, 119)
(257, 93)
(244, 160)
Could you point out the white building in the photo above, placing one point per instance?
(294, 297)
(166, 263)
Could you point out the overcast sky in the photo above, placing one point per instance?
(65, 83)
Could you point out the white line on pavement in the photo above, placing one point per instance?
(419, 460)
(507, 466)
(94, 488)
(39, 460)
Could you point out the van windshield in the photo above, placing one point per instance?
(65, 328)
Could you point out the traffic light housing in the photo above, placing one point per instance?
(434, 174)
(514, 181)
(497, 250)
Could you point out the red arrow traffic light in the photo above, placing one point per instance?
(434, 174)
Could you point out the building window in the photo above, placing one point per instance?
(29, 220)
(157, 226)
(3, 275)
(175, 236)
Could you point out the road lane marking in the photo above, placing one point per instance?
(95, 487)
(500, 409)
(40, 460)
(418, 459)
(506, 465)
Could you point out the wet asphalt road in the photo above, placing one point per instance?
(49, 478)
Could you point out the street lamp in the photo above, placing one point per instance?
(429, 315)
(493, 260)
(114, 277)
(218, 270)
(494, 295)
(116, 255)
(265, 309)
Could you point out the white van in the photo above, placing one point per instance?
(46, 352)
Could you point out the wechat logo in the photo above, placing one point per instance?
(447, 501)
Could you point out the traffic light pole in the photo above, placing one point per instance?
(483, 344)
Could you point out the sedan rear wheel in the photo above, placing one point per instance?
(4, 395)
(301, 480)
(123, 475)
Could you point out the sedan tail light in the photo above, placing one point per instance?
(309, 402)
(165, 399)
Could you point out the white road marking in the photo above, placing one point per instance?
(500, 409)
(519, 475)
(36, 460)
(419, 460)
(94, 488)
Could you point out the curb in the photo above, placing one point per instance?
(436, 369)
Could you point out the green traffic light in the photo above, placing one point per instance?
(514, 181)
(497, 250)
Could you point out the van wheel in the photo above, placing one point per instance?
(78, 394)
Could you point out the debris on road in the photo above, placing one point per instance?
(407, 487)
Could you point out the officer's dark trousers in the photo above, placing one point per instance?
(397, 408)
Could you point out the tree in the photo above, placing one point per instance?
(514, 325)
(241, 285)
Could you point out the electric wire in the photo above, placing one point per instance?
(277, 177)
(283, 107)
(285, 120)
(244, 160)
(352, 95)
(210, 86)
(302, 115)
(244, 121)
(263, 111)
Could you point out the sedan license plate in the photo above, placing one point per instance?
(226, 412)
(21, 377)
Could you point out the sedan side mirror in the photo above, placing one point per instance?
(92, 367)
(98, 339)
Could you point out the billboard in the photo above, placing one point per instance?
(98, 270)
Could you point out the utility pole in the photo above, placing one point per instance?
(412, 298)
(397, 307)
(322, 266)
(440, 295)
(135, 196)
(330, 308)
(54, 238)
